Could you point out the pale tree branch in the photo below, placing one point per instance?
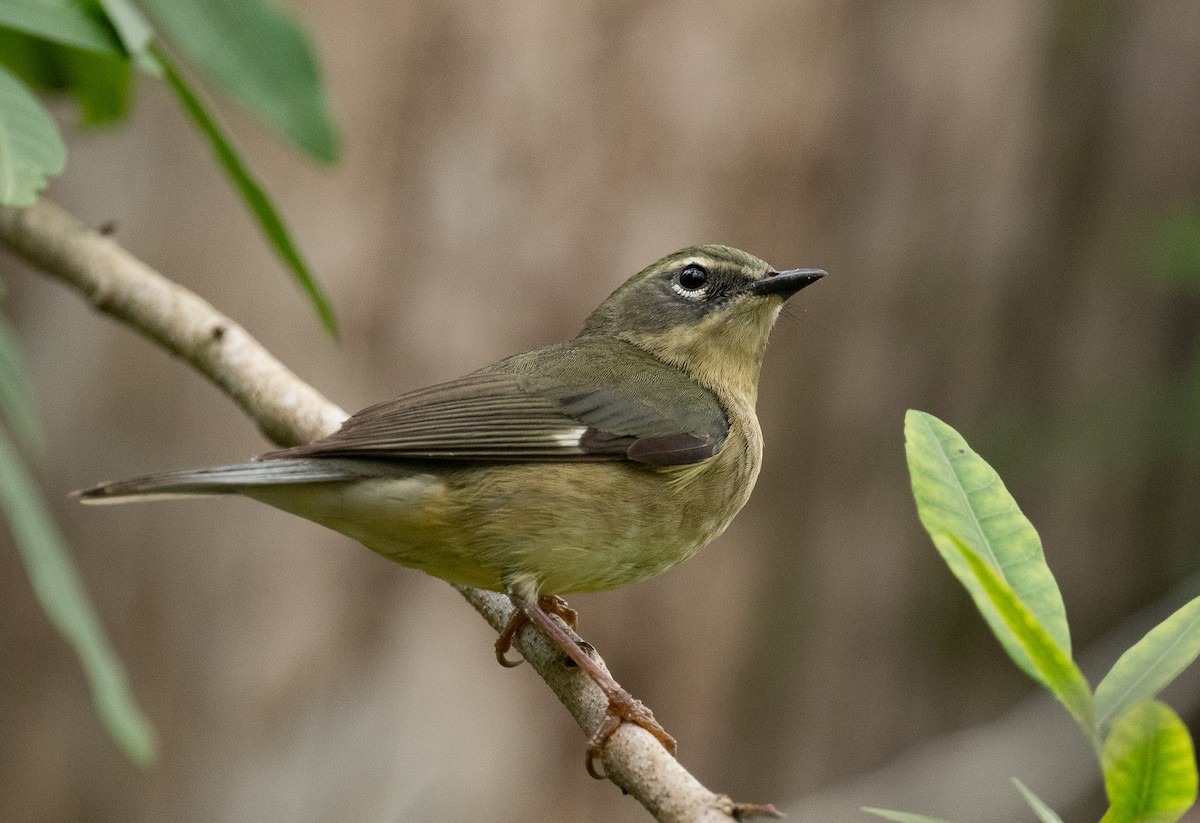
(288, 411)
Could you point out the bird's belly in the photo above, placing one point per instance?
(567, 528)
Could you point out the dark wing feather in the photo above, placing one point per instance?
(566, 402)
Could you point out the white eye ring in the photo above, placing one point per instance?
(690, 294)
(698, 275)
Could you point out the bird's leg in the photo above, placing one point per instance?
(622, 706)
(551, 603)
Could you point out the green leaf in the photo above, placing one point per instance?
(134, 31)
(100, 83)
(958, 494)
(1045, 813)
(262, 58)
(1149, 665)
(1051, 665)
(1149, 766)
(60, 21)
(30, 147)
(256, 199)
(60, 592)
(901, 817)
(16, 398)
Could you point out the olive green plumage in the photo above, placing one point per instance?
(580, 466)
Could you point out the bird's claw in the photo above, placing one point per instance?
(551, 604)
(624, 708)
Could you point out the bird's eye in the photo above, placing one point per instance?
(693, 278)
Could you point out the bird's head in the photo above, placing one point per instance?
(707, 310)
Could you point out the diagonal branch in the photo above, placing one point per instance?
(288, 411)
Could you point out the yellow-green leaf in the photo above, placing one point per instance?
(959, 495)
(1149, 766)
(1052, 666)
(1149, 665)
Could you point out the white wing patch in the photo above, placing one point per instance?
(570, 439)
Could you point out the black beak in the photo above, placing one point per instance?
(785, 283)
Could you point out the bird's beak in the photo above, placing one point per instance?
(785, 283)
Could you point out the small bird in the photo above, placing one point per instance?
(578, 467)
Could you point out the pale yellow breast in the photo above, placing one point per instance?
(566, 527)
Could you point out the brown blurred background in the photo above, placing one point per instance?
(982, 181)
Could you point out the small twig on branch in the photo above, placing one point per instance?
(289, 411)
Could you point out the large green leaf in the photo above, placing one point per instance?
(30, 147)
(1051, 665)
(61, 21)
(1149, 665)
(1149, 766)
(262, 58)
(256, 199)
(959, 495)
(60, 592)
(1045, 813)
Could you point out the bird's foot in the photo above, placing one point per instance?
(623, 707)
(551, 604)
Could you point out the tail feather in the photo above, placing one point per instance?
(230, 479)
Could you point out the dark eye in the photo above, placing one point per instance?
(693, 278)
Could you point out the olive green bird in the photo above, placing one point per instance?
(578, 467)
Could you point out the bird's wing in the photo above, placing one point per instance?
(566, 402)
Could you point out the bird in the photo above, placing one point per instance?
(581, 466)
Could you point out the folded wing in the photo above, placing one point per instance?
(574, 401)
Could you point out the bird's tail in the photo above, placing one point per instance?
(230, 479)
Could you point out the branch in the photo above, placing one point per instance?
(288, 412)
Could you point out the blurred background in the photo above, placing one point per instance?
(1005, 196)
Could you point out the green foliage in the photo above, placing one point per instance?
(1149, 766)
(89, 48)
(1145, 751)
(30, 147)
(1052, 664)
(133, 30)
(256, 199)
(16, 398)
(1045, 813)
(1149, 665)
(61, 595)
(258, 54)
(68, 22)
(262, 58)
(960, 496)
(100, 83)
